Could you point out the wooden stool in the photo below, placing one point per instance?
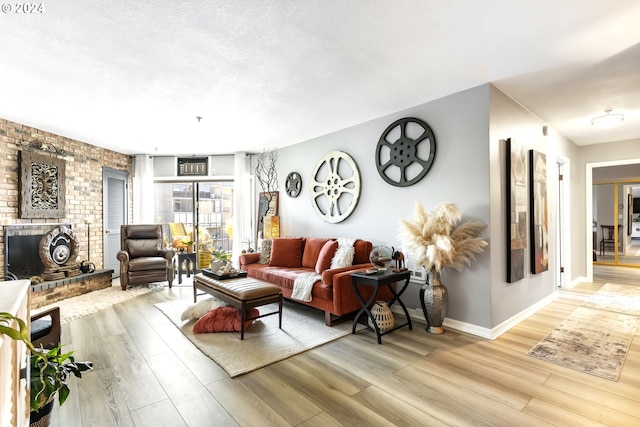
(244, 293)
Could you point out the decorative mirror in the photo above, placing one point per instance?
(293, 184)
(335, 187)
(405, 152)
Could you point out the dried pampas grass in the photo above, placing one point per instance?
(436, 240)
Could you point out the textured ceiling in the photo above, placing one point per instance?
(133, 76)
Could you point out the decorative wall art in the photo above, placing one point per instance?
(405, 152)
(539, 223)
(293, 184)
(335, 186)
(42, 186)
(516, 176)
(267, 206)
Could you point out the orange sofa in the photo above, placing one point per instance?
(333, 293)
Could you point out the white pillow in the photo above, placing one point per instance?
(344, 254)
(201, 308)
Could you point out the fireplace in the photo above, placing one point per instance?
(48, 252)
(22, 249)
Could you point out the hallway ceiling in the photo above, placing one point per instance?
(133, 76)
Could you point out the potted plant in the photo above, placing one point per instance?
(436, 240)
(50, 371)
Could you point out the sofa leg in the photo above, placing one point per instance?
(331, 320)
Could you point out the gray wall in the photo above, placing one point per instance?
(460, 174)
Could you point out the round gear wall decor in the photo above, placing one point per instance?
(405, 152)
(335, 186)
(293, 184)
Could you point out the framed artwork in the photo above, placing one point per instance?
(516, 175)
(539, 223)
(267, 206)
(42, 186)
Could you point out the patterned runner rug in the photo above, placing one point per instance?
(619, 298)
(596, 337)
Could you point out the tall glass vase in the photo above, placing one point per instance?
(435, 300)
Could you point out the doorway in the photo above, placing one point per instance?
(115, 208)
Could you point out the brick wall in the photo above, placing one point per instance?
(83, 169)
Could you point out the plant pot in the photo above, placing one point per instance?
(434, 298)
(42, 417)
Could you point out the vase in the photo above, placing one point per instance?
(435, 300)
(41, 417)
(382, 315)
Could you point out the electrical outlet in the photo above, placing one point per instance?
(418, 275)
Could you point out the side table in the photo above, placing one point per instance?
(189, 261)
(376, 280)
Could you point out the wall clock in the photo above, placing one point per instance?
(405, 152)
(335, 186)
(293, 184)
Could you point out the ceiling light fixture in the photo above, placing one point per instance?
(607, 119)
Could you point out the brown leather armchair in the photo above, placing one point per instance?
(142, 257)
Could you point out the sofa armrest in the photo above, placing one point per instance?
(249, 258)
(328, 276)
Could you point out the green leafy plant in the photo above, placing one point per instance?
(50, 369)
(220, 255)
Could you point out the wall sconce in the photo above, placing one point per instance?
(607, 119)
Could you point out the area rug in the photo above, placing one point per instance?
(619, 298)
(591, 341)
(303, 328)
(91, 302)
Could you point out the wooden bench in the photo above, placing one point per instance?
(244, 293)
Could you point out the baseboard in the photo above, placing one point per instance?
(576, 281)
(469, 328)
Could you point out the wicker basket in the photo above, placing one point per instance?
(382, 315)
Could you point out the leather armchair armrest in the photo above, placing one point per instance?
(168, 254)
(123, 256)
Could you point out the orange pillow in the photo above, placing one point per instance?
(312, 248)
(286, 252)
(223, 319)
(326, 255)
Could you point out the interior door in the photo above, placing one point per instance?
(114, 214)
(614, 223)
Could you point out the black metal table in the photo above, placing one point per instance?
(188, 260)
(383, 278)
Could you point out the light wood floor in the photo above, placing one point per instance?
(147, 374)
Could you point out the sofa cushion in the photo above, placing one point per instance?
(312, 248)
(326, 255)
(363, 250)
(286, 252)
(265, 252)
(223, 319)
(344, 254)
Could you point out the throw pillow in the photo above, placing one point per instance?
(223, 319)
(326, 255)
(265, 252)
(286, 252)
(312, 248)
(344, 254)
(201, 308)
